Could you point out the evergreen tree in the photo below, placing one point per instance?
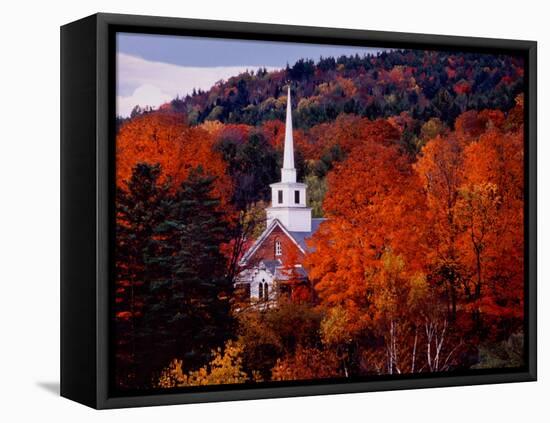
(139, 210)
(252, 165)
(191, 314)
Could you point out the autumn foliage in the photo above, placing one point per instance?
(415, 159)
(165, 139)
(415, 250)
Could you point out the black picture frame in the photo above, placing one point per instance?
(87, 171)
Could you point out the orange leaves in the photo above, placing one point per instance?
(151, 138)
(372, 194)
(498, 157)
(474, 186)
(274, 132)
(456, 215)
(495, 161)
(372, 205)
(440, 170)
(472, 124)
(440, 167)
(307, 364)
(164, 138)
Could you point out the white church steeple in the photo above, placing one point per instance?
(288, 172)
(288, 197)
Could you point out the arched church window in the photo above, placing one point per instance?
(261, 290)
(266, 291)
(278, 248)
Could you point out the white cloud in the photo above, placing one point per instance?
(147, 83)
(144, 95)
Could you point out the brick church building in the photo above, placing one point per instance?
(272, 266)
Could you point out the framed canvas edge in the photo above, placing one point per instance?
(311, 390)
(105, 22)
(78, 276)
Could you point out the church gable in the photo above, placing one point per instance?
(273, 265)
(275, 244)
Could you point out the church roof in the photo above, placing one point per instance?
(264, 235)
(282, 274)
(300, 237)
(278, 270)
(271, 265)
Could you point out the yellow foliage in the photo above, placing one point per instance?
(225, 368)
(334, 327)
(213, 127)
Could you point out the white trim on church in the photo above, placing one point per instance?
(289, 211)
(262, 238)
(288, 197)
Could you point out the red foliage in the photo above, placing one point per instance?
(462, 87)
(234, 132)
(164, 138)
(348, 132)
(456, 216)
(374, 203)
(472, 124)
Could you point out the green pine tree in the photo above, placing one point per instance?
(192, 309)
(139, 210)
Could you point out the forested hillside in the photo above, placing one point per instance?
(423, 84)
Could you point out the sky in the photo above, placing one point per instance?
(154, 69)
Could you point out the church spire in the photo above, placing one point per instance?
(288, 172)
(288, 197)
